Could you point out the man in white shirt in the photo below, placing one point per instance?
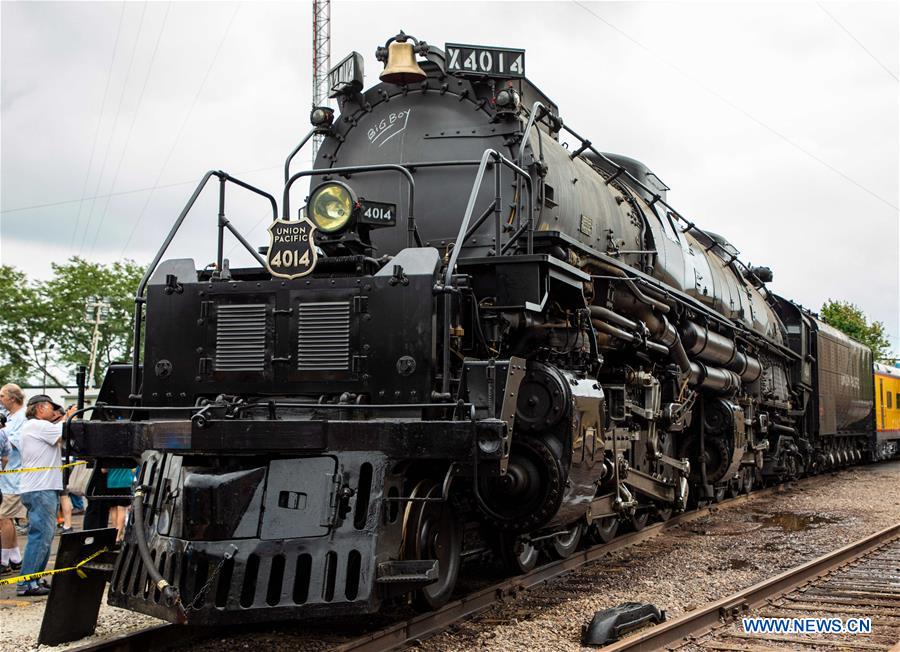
(41, 438)
(12, 398)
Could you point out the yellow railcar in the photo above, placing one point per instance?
(887, 408)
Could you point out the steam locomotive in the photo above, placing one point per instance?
(480, 335)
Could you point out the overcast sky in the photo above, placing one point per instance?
(775, 124)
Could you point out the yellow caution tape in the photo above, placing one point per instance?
(42, 468)
(34, 576)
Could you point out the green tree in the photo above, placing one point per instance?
(71, 287)
(850, 319)
(46, 320)
(24, 342)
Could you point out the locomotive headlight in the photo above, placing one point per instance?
(331, 206)
(508, 100)
(321, 116)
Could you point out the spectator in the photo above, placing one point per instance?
(96, 515)
(77, 503)
(5, 450)
(12, 399)
(41, 440)
(118, 483)
(64, 520)
(68, 501)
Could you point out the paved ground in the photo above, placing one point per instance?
(21, 617)
(8, 591)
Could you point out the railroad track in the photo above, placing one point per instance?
(401, 633)
(680, 632)
(857, 581)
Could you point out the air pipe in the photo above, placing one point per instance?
(608, 315)
(680, 356)
(602, 317)
(708, 346)
(721, 351)
(635, 290)
(714, 378)
(168, 592)
(667, 340)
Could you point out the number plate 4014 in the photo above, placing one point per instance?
(484, 61)
(376, 213)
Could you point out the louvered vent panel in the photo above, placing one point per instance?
(323, 342)
(241, 337)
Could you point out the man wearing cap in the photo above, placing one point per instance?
(12, 399)
(41, 437)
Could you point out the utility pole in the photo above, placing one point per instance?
(95, 311)
(47, 350)
(321, 58)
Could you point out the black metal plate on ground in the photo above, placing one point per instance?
(610, 624)
(74, 601)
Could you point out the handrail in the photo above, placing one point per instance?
(358, 406)
(410, 166)
(412, 232)
(287, 161)
(526, 136)
(537, 109)
(464, 230)
(619, 169)
(225, 224)
(222, 224)
(473, 196)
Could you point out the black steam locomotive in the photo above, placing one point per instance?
(472, 337)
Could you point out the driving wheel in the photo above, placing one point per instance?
(565, 543)
(518, 553)
(638, 520)
(431, 530)
(604, 530)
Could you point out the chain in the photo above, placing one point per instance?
(200, 596)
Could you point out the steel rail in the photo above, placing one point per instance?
(700, 621)
(157, 637)
(170, 636)
(429, 624)
(167, 635)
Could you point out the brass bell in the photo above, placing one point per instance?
(401, 66)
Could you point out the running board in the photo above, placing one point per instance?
(412, 571)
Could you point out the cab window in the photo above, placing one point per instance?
(665, 219)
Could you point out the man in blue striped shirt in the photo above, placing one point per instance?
(12, 398)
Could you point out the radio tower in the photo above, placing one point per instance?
(321, 59)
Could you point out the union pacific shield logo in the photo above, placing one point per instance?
(292, 252)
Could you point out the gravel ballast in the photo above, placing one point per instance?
(690, 565)
(696, 563)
